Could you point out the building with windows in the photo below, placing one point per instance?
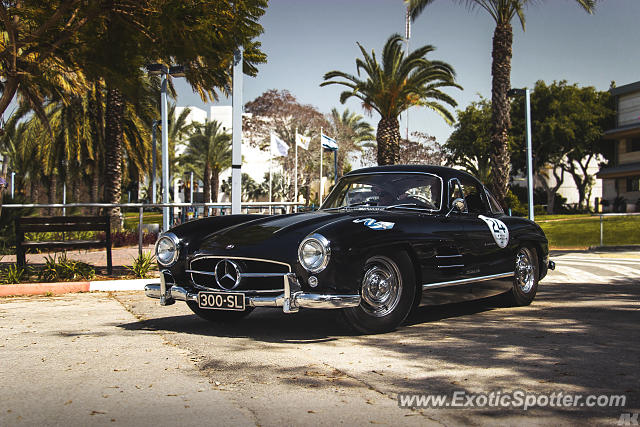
(621, 178)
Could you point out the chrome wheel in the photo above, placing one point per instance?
(524, 271)
(381, 286)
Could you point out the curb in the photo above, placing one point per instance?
(71, 287)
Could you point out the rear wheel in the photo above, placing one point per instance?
(387, 291)
(525, 281)
(218, 315)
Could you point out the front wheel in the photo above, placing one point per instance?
(218, 315)
(387, 294)
(525, 281)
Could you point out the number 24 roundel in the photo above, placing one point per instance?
(498, 229)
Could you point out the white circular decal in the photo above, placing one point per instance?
(498, 229)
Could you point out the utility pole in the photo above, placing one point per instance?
(236, 136)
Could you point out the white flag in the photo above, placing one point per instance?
(329, 143)
(279, 148)
(303, 141)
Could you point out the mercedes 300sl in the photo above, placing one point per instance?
(386, 240)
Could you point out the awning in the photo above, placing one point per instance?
(623, 131)
(619, 171)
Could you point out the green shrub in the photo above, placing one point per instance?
(12, 274)
(142, 264)
(59, 235)
(60, 268)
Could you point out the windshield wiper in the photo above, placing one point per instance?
(407, 206)
(350, 206)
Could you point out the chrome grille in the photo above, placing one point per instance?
(257, 275)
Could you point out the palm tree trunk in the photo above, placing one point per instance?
(207, 187)
(215, 184)
(53, 191)
(35, 191)
(500, 85)
(113, 153)
(388, 137)
(95, 185)
(3, 174)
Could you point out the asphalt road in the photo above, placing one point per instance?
(121, 359)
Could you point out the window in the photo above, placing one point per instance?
(633, 183)
(455, 191)
(420, 190)
(473, 196)
(494, 206)
(633, 145)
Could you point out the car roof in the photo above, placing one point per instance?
(444, 172)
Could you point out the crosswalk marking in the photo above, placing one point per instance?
(616, 268)
(575, 269)
(577, 275)
(601, 260)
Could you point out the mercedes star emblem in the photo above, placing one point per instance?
(227, 274)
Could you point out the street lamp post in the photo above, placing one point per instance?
(527, 97)
(236, 135)
(164, 72)
(154, 129)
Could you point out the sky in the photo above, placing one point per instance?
(304, 39)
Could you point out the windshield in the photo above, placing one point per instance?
(410, 190)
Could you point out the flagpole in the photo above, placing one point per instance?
(296, 175)
(270, 175)
(321, 183)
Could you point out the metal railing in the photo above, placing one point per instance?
(613, 215)
(246, 207)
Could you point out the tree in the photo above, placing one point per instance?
(203, 36)
(502, 12)
(40, 48)
(280, 111)
(350, 130)
(209, 150)
(251, 190)
(399, 82)
(422, 150)
(468, 146)
(568, 122)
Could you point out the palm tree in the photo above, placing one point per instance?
(400, 82)
(209, 150)
(351, 131)
(502, 12)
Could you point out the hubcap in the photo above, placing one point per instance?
(524, 270)
(381, 286)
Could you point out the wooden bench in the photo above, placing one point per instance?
(62, 224)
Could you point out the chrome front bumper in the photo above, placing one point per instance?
(290, 300)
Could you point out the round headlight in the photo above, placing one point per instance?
(167, 249)
(314, 253)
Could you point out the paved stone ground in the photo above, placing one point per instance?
(100, 352)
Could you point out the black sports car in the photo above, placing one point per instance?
(386, 240)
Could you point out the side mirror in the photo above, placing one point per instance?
(458, 205)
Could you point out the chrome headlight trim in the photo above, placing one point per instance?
(175, 242)
(325, 249)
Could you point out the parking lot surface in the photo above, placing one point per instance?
(120, 358)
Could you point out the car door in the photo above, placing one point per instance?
(489, 237)
(446, 270)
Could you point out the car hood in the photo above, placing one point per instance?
(281, 232)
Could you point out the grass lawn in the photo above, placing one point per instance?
(131, 219)
(579, 231)
(563, 231)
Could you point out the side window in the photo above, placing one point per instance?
(455, 191)
(473, 196)
(494, 206)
